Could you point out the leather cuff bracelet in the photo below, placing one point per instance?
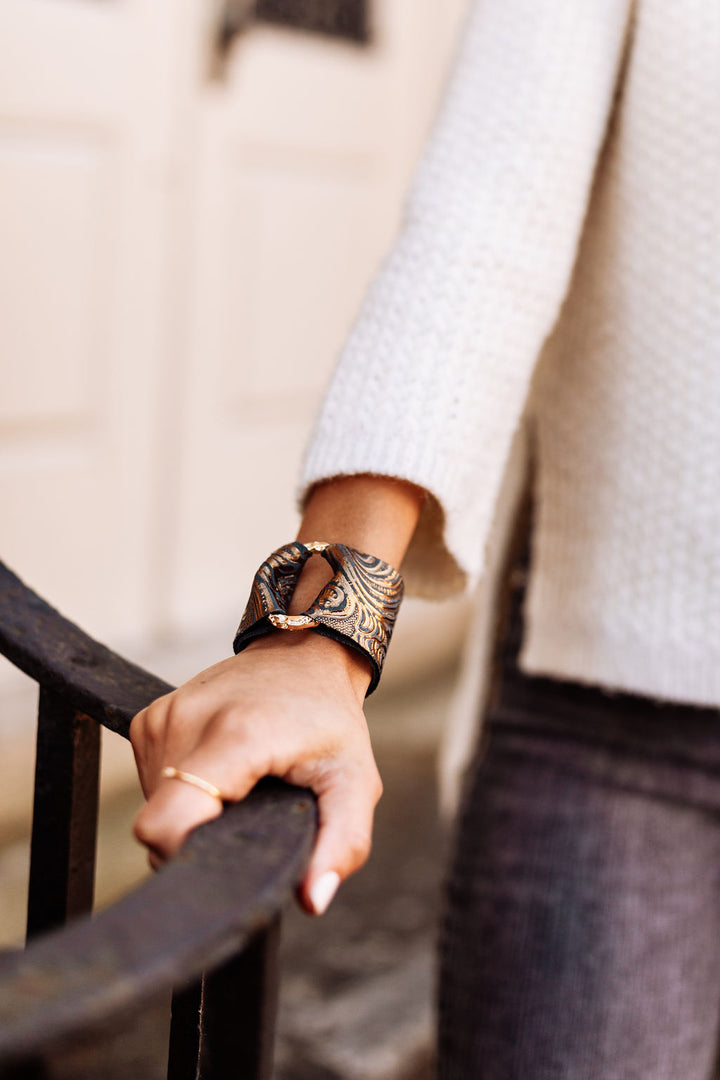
(357, 607)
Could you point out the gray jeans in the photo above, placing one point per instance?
(581, 939)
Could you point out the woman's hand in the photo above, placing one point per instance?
(290, 706)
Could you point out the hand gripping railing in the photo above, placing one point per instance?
(206, 924)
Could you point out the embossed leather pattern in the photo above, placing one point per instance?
(357, 607)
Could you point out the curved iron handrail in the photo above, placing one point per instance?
(230, 879)
(60, 656)
(195, 913)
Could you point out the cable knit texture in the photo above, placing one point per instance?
(559, 261)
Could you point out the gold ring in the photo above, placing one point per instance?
(171, 773)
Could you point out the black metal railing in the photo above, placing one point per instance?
(207, 924)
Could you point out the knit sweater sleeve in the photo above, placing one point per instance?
(432, 381)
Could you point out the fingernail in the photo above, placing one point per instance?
(323, 891)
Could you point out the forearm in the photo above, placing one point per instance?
(376, 514)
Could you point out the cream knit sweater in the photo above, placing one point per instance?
(559, 264)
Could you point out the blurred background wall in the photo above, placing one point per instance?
(185, 238)
(181, 255)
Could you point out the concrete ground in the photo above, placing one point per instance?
(357, 985)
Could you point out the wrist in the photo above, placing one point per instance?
(308, 643)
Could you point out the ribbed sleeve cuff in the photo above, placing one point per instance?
(438, 564)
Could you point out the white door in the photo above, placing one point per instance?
(301, 157)
(180, 259)
(86, 123)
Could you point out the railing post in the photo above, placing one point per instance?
(231, 1018)
(185, 1033)
(238, 1010)
(34, 1069)
(62, 856)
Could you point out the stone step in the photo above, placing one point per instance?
(379, 1029)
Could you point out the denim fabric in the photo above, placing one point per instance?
(581, 939)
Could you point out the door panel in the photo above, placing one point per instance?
(53, 215)
(85, 128)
